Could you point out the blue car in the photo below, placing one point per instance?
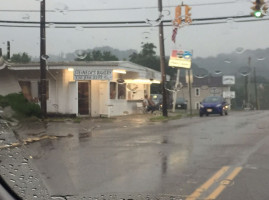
(213, 105)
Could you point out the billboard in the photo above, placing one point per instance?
(180, 58)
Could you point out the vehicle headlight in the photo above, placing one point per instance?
(201, 106)
(219, 105)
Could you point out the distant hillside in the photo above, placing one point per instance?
(230, 64)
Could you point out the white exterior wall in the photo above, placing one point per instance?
(72, 97)
(62, 93)
(122, 107)
(52, 104)
(95, 99)
(8, 83)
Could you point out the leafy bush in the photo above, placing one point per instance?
(3, 101)
(20, 105)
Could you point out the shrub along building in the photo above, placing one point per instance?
(106, 88)
(201, 88)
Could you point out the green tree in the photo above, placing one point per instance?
(107, 56)
(147, 57)
(99, 56)
(21, 58)
(148, 50)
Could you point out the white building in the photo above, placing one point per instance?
(106, 88)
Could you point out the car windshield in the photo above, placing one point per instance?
(134, 99)
(212, 100)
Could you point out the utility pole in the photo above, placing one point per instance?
(43, 61)
(246, 91)
(8, 50)
(246, 85)
(175, 91)
(162, 59)
(190, 100)
(255, 89)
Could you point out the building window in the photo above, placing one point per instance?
(113, 90)
(197, 105)
(122, 91)
(197, 92)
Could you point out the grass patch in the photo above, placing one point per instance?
(162, 118)
(20, 105)
(77, 120)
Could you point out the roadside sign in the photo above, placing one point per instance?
(228, 80)
(180, 58)
(229, 94)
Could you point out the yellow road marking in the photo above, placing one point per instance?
(224, 184)
(208, 183)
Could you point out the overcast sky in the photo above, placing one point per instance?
(204, 40)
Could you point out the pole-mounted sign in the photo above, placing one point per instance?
(180, 58)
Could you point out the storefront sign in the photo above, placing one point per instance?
(180, 58)
(89, 74)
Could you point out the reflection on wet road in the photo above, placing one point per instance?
(198, 158)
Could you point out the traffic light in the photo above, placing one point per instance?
(178, 18)
(187, 14)
(259, 8)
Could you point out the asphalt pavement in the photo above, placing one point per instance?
(215, 157)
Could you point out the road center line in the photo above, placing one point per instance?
(224, 184)
(208, 183)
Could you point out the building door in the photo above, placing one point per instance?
(83, 98)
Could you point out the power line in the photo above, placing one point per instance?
(121, 22)
(36, 22)
(134, 26)
(127, 24)
(113, 9)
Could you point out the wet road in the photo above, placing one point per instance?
(200, 158)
